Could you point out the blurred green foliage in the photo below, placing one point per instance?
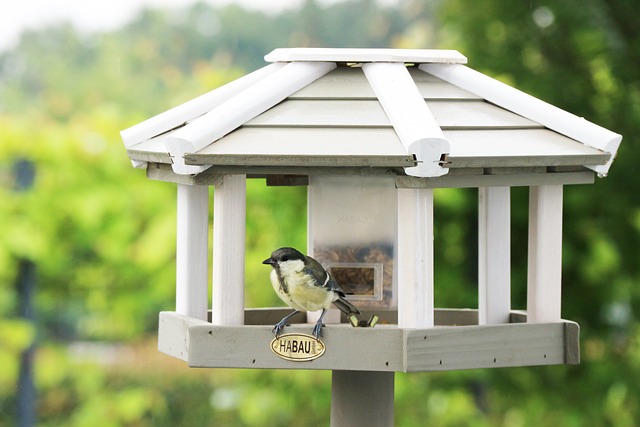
(103, 236)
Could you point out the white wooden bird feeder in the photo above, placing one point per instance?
(372, 132)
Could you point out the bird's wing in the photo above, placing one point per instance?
(317, 271)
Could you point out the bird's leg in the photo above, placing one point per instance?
(277, 329)
(317, 329)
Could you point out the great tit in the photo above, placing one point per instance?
(302, 283)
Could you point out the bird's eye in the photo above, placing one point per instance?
(285, 258)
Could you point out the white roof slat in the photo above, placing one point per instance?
(351, 83)
(305, 141)
(369, 113)
(151, 150)
(434, 88)
(515, 148)
(323, 113)
(477, 115)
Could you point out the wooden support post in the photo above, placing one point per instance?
(192, 251)
(26, 394)
(494, 255)
(26, 281)
(544, 280)
(415, 258)
(361, 398)
(229, 215)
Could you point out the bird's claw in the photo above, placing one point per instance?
(278, 328)
(317, 330)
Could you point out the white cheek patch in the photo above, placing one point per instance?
(290, 267)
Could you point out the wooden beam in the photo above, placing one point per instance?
(410, 117)
(292, 160)
(192, 251)
(544, 280)
(229, 216)
(362, 398)
(415, 258)
(494, 255)
(512, 179)
(441, 348)
(490, 346)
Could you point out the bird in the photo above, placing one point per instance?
(303, 284)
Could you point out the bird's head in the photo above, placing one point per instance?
(283, 255)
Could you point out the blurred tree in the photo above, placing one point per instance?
(582, 56)
(579, 56)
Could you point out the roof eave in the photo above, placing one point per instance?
(512, 99)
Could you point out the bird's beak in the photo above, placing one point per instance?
(269, 261)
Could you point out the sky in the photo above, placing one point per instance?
(17, 16)
(90, 15)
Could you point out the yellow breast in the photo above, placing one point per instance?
(302, 293)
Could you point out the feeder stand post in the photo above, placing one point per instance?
(361, 398)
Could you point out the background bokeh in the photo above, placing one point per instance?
(100, 237)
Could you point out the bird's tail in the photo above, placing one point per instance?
(346, 307)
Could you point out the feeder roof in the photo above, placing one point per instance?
(420, 112)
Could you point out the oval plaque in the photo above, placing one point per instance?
(297, 347)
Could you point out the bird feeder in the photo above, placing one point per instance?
(373, 133)
(352, 233)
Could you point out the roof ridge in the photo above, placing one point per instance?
(364, 55)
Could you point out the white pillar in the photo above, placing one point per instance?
(229, 214)
(192, 247)
(494, 255)
(544, 280)
(415, 258)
